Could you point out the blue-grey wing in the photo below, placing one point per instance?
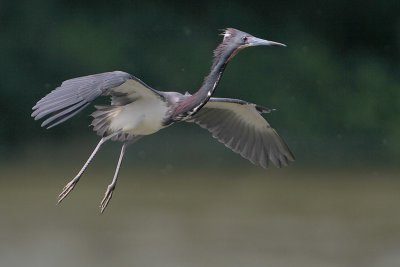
(75, 94)
(239, 126)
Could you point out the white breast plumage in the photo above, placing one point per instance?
(142, 117)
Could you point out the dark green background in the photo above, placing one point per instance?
(182, 198)
(336, 86)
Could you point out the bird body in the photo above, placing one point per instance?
(142, 116)
(137, 110)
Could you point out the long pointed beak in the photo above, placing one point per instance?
(254, 41)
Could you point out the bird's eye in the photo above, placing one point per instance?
(244, 39)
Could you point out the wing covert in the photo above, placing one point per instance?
(239, 126)
(75, 94)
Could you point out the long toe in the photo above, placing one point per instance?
(107, 198)
(66, 190)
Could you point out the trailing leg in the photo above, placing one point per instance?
(69, 186)
(111, 187)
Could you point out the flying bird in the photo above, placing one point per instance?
(137, 110)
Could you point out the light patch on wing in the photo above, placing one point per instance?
(130, 91)
(245, 112)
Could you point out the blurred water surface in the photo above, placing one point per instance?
(193, 217)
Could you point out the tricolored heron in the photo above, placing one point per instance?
(137, 110)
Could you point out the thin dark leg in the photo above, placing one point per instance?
(111, 187)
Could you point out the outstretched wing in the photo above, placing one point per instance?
(239, 126)
(75, 94)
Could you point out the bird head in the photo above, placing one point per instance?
(242, 39)
(235, 40)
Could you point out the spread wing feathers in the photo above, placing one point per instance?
(239, 126)
(75, 94)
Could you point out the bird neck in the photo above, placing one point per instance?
(190, 105)
(210, 82)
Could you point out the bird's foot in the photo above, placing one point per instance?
(107, 197)
(66, 190)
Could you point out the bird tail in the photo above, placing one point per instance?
(102, 118)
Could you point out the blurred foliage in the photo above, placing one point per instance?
(336, 86)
